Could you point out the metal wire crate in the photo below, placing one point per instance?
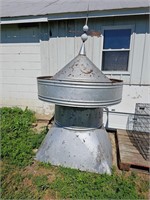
(138, 127)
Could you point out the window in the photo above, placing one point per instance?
(116, 48)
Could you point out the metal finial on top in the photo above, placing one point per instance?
(85, 28)
(84, 37)
(82, 50)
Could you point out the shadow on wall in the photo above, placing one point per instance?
(34, 32)
(20, 33)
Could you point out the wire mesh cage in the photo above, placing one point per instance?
(138, 128)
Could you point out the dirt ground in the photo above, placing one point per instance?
(43, 121)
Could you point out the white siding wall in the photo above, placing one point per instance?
(20, 64)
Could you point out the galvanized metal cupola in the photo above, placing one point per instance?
(80, 91)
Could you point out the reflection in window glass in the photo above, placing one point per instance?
(117, 39)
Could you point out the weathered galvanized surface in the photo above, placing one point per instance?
(84, 149)
(78, 117)
(79, 94)
(81, 69)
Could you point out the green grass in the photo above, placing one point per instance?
(80, 185)
(23, 178)
(41, 182)
(17, 138)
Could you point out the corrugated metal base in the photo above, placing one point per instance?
(87, 150)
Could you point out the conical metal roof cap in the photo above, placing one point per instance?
(81, 68)
(80, 84)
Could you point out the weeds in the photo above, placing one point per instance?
(13, 186)
(17, 138)
(18, 141)
(41, 182)
(45, 165)
(80, 185)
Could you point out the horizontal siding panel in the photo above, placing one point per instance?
(20, 48)
(20, 57)
(21, 102)
(18, 80)
(20, 88)
(21, 73)
(20, 95)
(33, 104)
(22, 65)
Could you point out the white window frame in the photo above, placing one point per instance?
(132, 27)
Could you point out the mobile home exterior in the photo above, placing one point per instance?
(40, 37)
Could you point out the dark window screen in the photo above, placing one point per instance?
(116, 60)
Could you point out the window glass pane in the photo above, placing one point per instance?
(117, 39)
(115, 60)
